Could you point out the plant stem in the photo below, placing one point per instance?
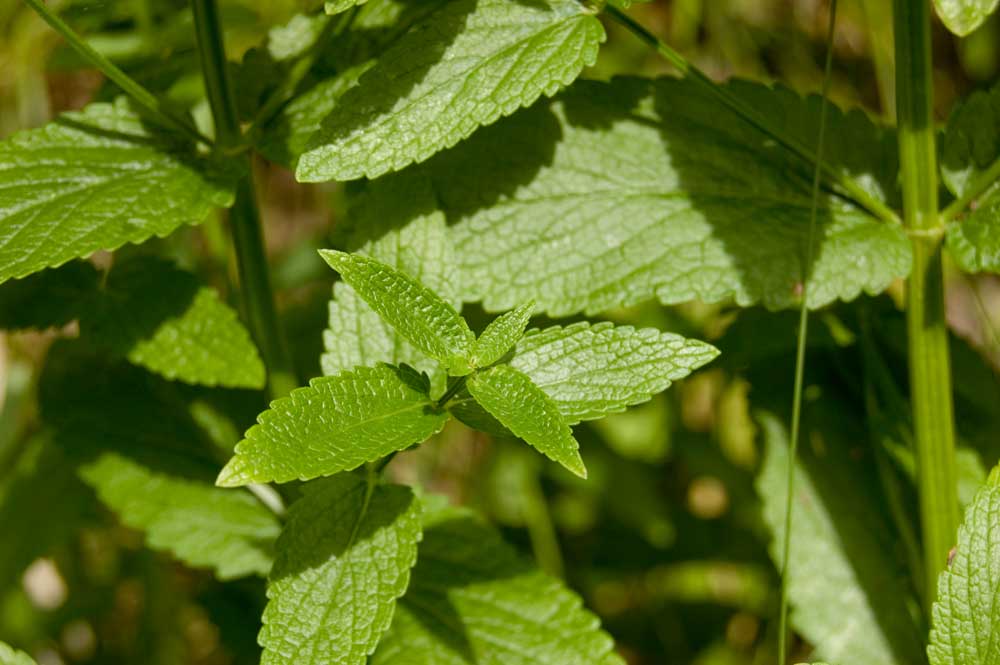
(453, 389)
(800, 347)
(129, 86)
(244, 218)
(844, 184)
(930, 371)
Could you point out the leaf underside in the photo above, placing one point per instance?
(98, 179)
(343, 560)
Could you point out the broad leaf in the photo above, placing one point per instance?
(466, 65)
(336, 424)
(696, 205)
(848, 592)
(964, 16)
(591, 370)
(418, 314)
(162, 318)
(51, 298)
(97, 179)
(966, 616)
(473, 601)
(421, 248)
(203, 526)
(501, 335)
(521, 406)
(11, 656)
(343, 560)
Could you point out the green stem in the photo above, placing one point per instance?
(800, 347)
(244, 218)
(453, 389)
(843, 184)
(930, 371)
(130, 86)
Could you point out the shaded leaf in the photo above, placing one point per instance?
(343, 560)
(162, 318)
(49, 299)
(473, 601)
(466, 65)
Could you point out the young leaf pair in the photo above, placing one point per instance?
(552, 379)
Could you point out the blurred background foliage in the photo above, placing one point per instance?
(669, 539)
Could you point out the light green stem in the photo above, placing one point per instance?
(930, 370)
(842, 183)
(129, 86)
(244, 218)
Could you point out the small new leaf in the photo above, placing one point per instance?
(343, 560)
(501, 335)
(522, 407)
(97, 179)
(464, 66)
(418, 314)
(336, 424)
(966, 616)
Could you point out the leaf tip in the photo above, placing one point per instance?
(232, 475)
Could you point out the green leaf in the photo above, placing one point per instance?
(843, 561)
(501, 335)
(509, 395)
(336, 424)
(148, 461)
(343, 560)
(966, 616)
(974, 241)
(418, 314)
(337, 6)
(964, 16)
(971, 140)
(11, 656)
(203, 526)
(162, 318)
(420, 248)
(591, 370)
(97, 179)
(466, 65)
(696, 204)
(49, 299)
(473, 601)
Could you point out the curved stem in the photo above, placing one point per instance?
(129, 86)
(842, 183)
(930, 367)
(244, 218)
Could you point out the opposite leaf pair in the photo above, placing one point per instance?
(550, 380)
